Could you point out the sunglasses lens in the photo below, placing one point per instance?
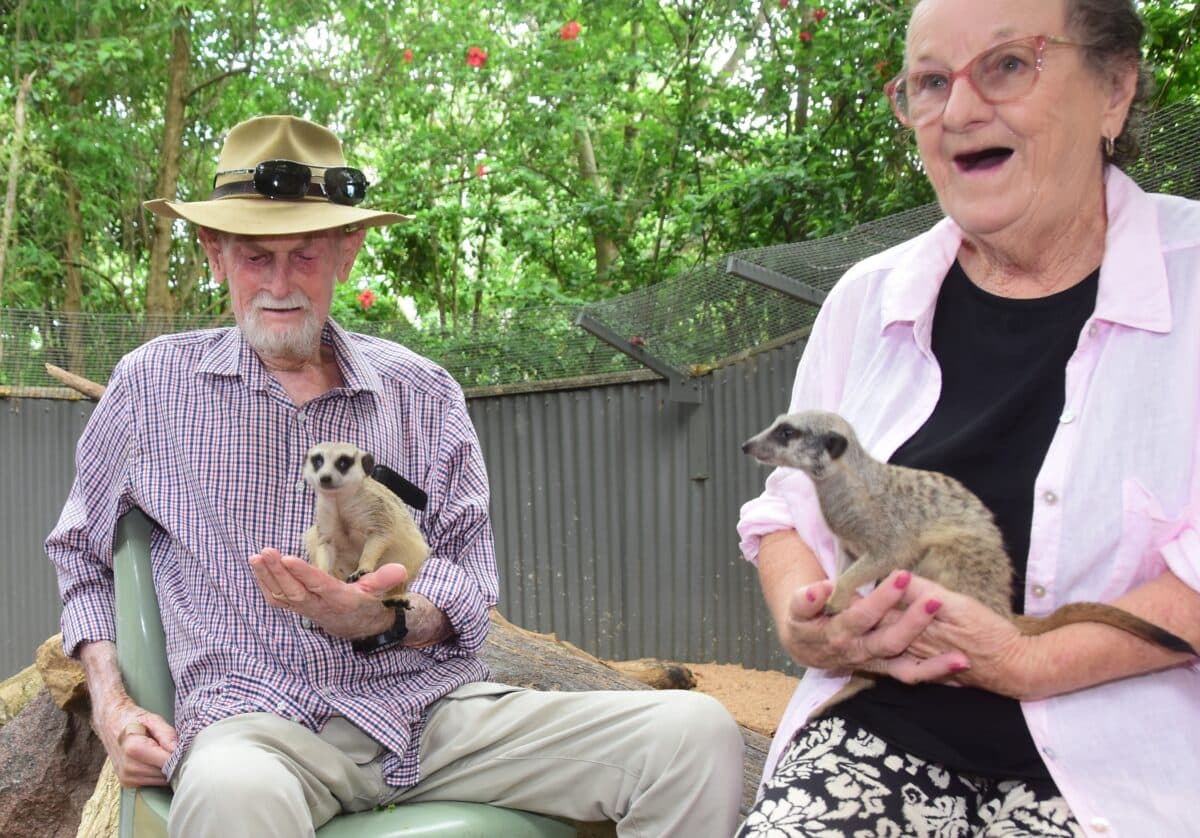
(282, 179)
(344, 185)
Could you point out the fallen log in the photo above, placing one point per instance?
(53, 784)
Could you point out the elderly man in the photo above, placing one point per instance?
(300, 695)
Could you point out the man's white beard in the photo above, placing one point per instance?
(291, 343)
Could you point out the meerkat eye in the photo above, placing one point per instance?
(317, 461)
(344, 463)
(785, 434)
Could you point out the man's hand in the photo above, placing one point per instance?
(870, 635)
(137, 741)
(347, 610)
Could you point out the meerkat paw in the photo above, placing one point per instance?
(394, 601)
(355, 576)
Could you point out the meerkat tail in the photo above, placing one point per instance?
(1095, 612)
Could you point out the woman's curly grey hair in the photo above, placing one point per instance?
(1112, 32)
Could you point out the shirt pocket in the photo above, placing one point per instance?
(1145, 528)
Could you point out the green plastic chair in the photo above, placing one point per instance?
(142, 657)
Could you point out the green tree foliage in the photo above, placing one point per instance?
(550, 152)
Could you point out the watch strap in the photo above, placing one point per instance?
(387, 639)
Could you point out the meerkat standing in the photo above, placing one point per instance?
(888, 517)
(360, 524)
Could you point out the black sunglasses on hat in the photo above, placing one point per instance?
(287, 180)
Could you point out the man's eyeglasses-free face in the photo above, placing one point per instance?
(288, 180)
(1001, 74)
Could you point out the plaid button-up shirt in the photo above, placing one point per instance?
(194, 431)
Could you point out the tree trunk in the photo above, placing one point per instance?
(606, 249)
(14, 168)
(158, 292)
(73, 276)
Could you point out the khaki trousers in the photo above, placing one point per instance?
(659, 763)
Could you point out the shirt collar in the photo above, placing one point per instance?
(1133, 276)
(231, 356)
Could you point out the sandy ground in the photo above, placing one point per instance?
(754, 697)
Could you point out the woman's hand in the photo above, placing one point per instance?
(1000, 657)
(870, 635)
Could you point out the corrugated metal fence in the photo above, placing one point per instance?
(614, 510)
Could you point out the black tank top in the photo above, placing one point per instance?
(1003, 364)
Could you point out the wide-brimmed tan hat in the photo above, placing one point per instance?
(237, 207)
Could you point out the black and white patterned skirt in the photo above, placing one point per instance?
(836, 780)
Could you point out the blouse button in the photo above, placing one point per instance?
(1050, 498)
(1100, 824)
(1039, 591)
(1067, 418)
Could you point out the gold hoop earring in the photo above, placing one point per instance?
(1109, 146)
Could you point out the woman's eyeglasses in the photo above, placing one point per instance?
(1001, 74)
(287, 180)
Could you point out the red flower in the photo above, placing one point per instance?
(569, 31)
(806, 36)
(408, 56)
(783, 4)
(366, 298)
(476, 57)
(819, 15)
(480, 170)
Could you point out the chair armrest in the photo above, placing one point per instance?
(141, 646)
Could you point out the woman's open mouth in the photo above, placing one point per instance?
(982, 160)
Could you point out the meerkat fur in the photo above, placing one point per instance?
(889, 517)
(359, 523)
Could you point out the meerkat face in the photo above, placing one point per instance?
(329, 466)
(812, 441)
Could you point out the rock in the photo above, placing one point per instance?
(49, 762)
(63, 676)
(17, 691)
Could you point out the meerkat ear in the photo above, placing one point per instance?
(835, 444)
(368, 463)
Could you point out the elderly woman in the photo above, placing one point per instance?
(1042, 345)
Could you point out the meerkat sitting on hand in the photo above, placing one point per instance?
(360, 524)
(888, 517)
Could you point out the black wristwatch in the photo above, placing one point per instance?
(389, 638)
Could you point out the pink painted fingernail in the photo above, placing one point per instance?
(903, 579)
(932, 606)
(959, 667)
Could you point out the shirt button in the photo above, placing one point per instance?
(1067, 418)
(1050, 498)
(1039, 591)
(300, 416)
(1100, 824)
(1092, 329)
